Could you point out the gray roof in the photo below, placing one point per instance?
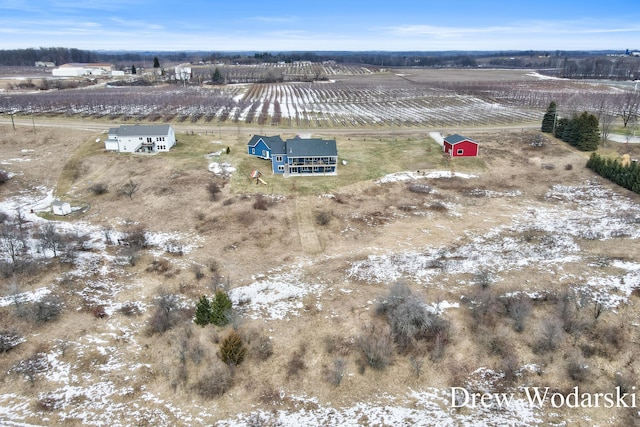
(298, 147)
(271, 141)
(141, 130)
(455, 138)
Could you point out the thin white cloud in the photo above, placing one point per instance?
(110, 5)
(141, 25)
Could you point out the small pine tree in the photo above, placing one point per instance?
(217, 78)
(221, 309)
(156, 62)
(549, 119)
(133, 69)
(203, 311)
(232, 349)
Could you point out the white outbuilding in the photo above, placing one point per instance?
(61, 208)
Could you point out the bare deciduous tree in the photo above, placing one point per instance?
(628, 106)
(11, 241)
(129, 188)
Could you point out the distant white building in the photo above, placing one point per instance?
(60, 208)
(45, 64)
(183, 72)
(140, 139)
(81, 69)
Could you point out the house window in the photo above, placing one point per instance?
(278, 158)
(264, 153)
(253, 151)
(460, 151)
(281, 168)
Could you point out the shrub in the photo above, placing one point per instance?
(336, 372)
(159, 266)
(4, 177)
(9, 339)
(410, 320)
(549, 338)
(33, 365)
(130, 309)
(577, 368)
(232, 349)
(45, 310)
(518, 308)
(296, 363)
(376, 344)
(136, 237)
(260, 345)
(213, 189)
(215, 383)
(323, 218)
(99, 188)
(337, 345)
(261, 203)
(166, 315)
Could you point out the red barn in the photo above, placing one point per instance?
(459, 146)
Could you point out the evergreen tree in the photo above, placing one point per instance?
(561, 125)
(133, 69)
(203, 311)
(156, 62)
(232, 349)
(570, 132)
(221, 309)
(549, 119)
(217, 78)
(588, 131)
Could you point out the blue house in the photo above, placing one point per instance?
(262, 146)
(297, 156)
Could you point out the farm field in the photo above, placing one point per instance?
(411, 98)
(521, 262)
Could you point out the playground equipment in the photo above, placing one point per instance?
(256, 175)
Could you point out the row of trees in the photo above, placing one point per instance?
(625, 175)
(581, 131)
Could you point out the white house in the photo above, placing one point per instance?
(140, 138)
(60, 208)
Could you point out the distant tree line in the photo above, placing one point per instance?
(58, 55)
(625, 175)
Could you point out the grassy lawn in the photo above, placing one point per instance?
(367, 158)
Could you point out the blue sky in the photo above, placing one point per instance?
(320, 25)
